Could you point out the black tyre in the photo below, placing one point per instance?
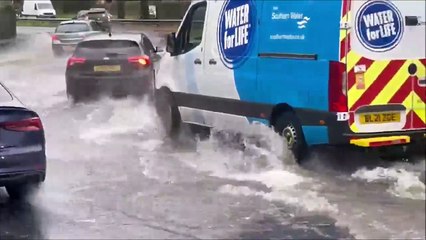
(168, 113)
(72, 93)
(22, 190)
(288, 126)
(57, 52)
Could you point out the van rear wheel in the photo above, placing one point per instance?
(289, 127)
(168, 113)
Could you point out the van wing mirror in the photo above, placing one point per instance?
(158, 50)
(171, 44)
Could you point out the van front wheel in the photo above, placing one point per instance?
(168, 112)
(289, 127)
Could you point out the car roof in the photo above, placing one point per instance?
(120, 36)
(75, 21)
(97, 10)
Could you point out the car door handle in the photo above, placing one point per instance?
(212, 62)
(197, 61)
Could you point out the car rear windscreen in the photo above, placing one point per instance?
(96, 15)
(73, 28)
(4, 94)
(102, 48)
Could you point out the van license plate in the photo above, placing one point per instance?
(377, 118)
(107, 68)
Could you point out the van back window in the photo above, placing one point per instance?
(100, 48)
(44, 6)
(72, 28)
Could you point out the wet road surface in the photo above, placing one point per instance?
(111, 174)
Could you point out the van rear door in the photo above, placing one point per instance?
(416, 24)
(382, 96)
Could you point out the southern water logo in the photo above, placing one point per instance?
(236, 30)
(379, 25)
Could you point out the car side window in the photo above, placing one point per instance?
(147, 44)
(191, 33)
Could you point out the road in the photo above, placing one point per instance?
(111, 174)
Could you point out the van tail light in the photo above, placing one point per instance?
(26, 125)
(337, 89)
(140, 61)
(55, 39)
(75, 60)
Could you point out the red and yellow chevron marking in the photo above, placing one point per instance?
(385, 82)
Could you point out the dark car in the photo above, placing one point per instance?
(99, 15)
(68, 33)
(118, 65)
(22, 147)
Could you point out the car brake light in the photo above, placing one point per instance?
(26, 125)
(337, 89)
(75, 60)
(55, 39)
(140, 61)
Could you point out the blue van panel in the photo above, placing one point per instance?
(301, 84)
(301, 27)
(315, 135)
(269, 80)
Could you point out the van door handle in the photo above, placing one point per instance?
(197, 61)
(212, 62)
(413, 21)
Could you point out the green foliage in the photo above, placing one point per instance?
(7, 22)
(72, 6)
(170, 9)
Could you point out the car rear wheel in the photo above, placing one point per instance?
(289, 127)
(57, 52)
(22, 190)
(72, 92)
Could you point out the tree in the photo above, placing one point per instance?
(144, 9)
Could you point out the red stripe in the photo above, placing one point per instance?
(423, 61)
(387, 143)
(351, 75)
(419, 90)
(343, 47)
(378, 85)
(402, 93)
(417, 121)
(345, 7)
(408, 122)
(351, 118)
(344, 50)
(345, 10)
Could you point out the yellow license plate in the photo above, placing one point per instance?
(107, 68)
(377, 118)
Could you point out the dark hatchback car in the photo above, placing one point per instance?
(118, 65)
(22, 147)
(99, 15)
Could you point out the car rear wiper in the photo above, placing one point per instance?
(115, 54)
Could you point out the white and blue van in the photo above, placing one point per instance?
(332, 72)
